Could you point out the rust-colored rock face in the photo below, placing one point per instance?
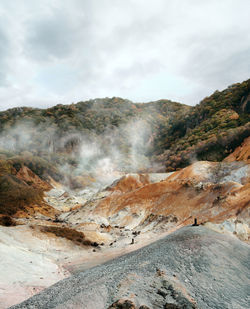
(32, 179)
(208, 191)
(130, 183)
(21, 194)
(241, 153)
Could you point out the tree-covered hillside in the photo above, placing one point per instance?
(210, 130)
(169, 133)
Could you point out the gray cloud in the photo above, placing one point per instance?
(57, 34)
(218, 60)
(51, 37)
(4, 47)
(60, 52)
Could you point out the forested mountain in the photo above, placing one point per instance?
(169, 133)
(209, 131)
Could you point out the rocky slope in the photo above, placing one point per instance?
(90, 227)
(210, 192)
(241, 153)
(191, 268)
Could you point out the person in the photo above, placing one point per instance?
(195, 222)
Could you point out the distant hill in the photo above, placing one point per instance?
(63, 135)
(169, 133)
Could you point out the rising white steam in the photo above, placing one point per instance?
(115, 152)
(103, 157)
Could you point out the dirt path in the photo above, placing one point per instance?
(106, 254)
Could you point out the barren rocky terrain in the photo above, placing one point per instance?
(193, 267)
(88, 228)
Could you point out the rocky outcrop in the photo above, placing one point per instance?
(122, 304)
(208, 191)
(241, 153)
(25, 174)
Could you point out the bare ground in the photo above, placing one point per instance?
(193, 267)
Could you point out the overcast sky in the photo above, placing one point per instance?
(64, 51)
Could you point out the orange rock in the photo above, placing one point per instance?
(32, 179)
(234, 116)
(241, 153)
(185, 195)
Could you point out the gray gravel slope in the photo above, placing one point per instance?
(193, 262)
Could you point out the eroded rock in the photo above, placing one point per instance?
(122, 304)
